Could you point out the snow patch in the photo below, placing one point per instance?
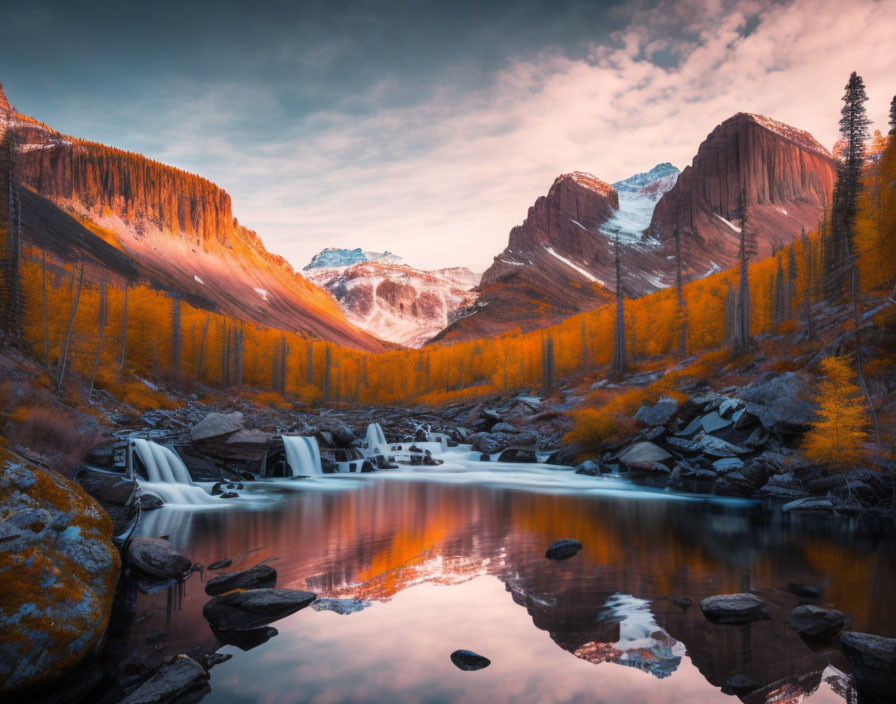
(198, 280)
(728, 223)
(550, 250)
(507, 261)
(263, 293)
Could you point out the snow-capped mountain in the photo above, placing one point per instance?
(334, 257)
(380, 293)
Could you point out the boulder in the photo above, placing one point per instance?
(589, 468)
(58, 570)
(253, 578)
(815, 622)
(517, 454)
(150, 502)
(504, 428)
(810, 503)
(643, 455)
(659, 414)
(563, 549)
(341, 434)
(733, 608)
(873, 663)
(214, 425)
(785, 396)
(157, 558)
(170, 682)
(711, 445)
(469, 661)
(248, 610)
(727, 464)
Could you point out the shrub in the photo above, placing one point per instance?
(62, 438)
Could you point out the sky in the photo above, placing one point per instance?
(429, 128)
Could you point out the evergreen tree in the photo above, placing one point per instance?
(893, 116)
(620, 362)
(791, 282)
(854, 130)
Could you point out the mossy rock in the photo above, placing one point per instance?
(58, 568)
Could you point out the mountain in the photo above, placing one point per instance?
(784, 174)
(167, 226)
(333, 257)
(560, 260)
(380, 293)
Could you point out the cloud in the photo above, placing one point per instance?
(442, 180)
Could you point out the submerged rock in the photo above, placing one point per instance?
(740, 684)
(815, 622)
(340, 606)
(733, 608)
(245, 640)
(469, 661)
(807, 591)
(808, 504)
(242, 611)
(157, 558)
(873, 663)
(518, 455)
(58, 569)
(563, 549)
(171, 681)
(252, 578)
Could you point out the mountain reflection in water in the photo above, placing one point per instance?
(447, 566)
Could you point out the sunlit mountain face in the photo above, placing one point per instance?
(395, 549)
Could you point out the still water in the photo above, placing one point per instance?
(438, 560)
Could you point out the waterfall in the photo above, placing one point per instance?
(167, 475)
(376, 440)
(302, 455)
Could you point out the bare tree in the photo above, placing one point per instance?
(63, 358)
(101, 323)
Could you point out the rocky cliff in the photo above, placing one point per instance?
(177, 227)
(784, 174)
(380, 293)
(560, 260)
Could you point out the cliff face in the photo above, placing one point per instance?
(560, 260)
(176, 226)
(784, 174)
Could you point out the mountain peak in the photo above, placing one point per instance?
(661, 177)
(799, 137)
(4, 103)
(587, 180)
(335, 257)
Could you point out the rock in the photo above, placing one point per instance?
(726, 464)
(519, 455)
(485, 443)
(209, 660)
(221, 564)
(659, 414)
(712, 422)
(504, 428)
(785, 396)
(733, 608)
(245, 640)
(469, 661)
(58, 570)
(733, 484)
(814, 622)
(740, 684)
(340, 606)
(589, 468)
(807, 591)
(242, 611)
(157, 558)
(215, 425)
(781, 492)
(563, 457)
(643, 455)
(107, 488)
(809, 503)
(171, 681)
(873, 663)
(341, 434)
(711, 445)
(103, 456)
(150, 502)
(563, 549)
(253, 578)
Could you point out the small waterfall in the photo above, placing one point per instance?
(302, 455)
(376, 440)
(167, 475)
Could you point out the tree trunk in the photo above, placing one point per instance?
(99, 342)
(43, 272)
(124, 328)
(202, 347)
(175, 333)
(63, 358)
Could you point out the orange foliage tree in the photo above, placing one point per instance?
(839, 433)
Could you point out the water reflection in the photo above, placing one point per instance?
(441, 560)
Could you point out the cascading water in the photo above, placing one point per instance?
(302, 455)
(376, 440)
(166, 475)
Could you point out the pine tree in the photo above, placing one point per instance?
(620, 362)
(790, 283)
(741, 339)
(854, 130)
(810, 276)
(839, 432)
(893, 116)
